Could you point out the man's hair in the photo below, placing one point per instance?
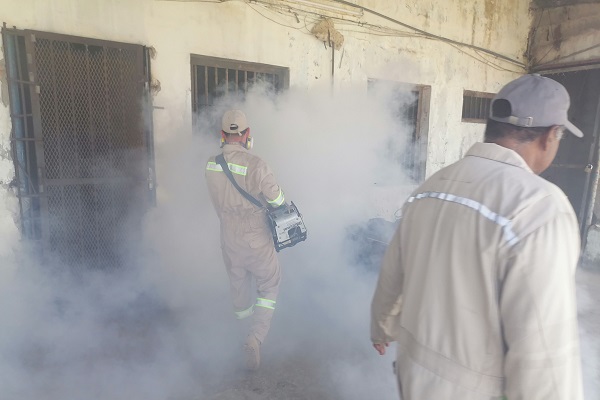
(496, 130)
(242, 133)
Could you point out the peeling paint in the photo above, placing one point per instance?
(5, 153)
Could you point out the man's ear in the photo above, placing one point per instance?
(548, 137)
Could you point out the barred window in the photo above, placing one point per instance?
(476, 106)
(213, 78)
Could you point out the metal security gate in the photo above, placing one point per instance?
(575, 168)
(88, 163)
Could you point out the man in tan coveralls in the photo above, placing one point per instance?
(477, 285)
(246, 240)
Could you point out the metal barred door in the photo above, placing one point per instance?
(89, 95)
(575, 167)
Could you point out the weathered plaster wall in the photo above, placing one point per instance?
(499, 26)
(253, 33)
(8, 202)
(565, 35)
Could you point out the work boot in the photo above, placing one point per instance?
(252, 350)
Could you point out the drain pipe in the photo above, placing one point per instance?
(332, 45)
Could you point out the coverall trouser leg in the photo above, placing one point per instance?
(262, 265)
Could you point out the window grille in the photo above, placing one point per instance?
(476, 106)
(81, 143)
(213, 78)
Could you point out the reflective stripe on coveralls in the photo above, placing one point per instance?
(236, 169)
(245, 313)
(278, 201)
(510, 237)
(266, 303)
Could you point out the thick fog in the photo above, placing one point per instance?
(163, 327)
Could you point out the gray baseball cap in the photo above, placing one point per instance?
(535, 101)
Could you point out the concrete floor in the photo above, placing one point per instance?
(588, 282)
(303, 376)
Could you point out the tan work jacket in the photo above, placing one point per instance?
(477, 285)
(241, 221)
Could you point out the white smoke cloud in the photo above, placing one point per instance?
(329, 153)
(169, 319)
(164, 329)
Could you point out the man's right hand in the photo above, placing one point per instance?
(380, 347)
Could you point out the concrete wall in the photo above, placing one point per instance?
(565, 35)
(447, 69)
(257, 33)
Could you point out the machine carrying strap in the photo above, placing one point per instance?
(220, 159)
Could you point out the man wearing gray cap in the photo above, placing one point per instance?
(246, 240)
(477, 285)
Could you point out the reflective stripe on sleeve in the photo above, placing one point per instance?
(506, 225)
(278, 201)
(266, 303)
(235, 168)
(213, 166)
(245, 313)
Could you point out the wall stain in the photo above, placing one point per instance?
(490, 11)
(557, 36)
(3, 84)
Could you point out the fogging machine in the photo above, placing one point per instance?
(287, 226)
(286, 223)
